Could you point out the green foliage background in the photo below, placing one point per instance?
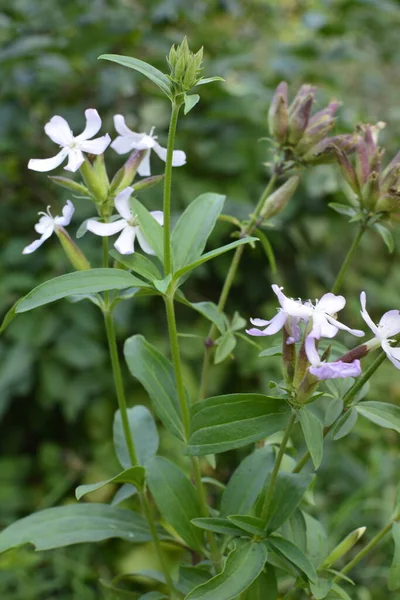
(56, 394)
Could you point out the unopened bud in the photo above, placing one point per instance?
(344, 547)
(94, 182)
(185, 66)
(126, 174)
(148, 182)
(299, 118)
(278, 113)
(347, 170)
(391, 174)
(288, 357)
(355, 354)
(370, 191)
(389, 202)
(362, 163)
(277, 201)
(74, 253)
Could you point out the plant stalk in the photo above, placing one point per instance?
(340, 276)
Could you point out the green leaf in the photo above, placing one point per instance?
(79, 282)
(247, 481)
(232, 421)
(144, 433)
(123, 493)
(218, 525)
(210, 311)
(110, 592)
(386, 235)
(242, 567)
(76, 524)
(148, 182)
(381, 413)
(321, 588)
(9, 317)
(344, 424)
(194, 227)
(288, 493)
(316, 540)
(267, 249)
(294, 555)
(313, 434)
(151, 229)
(394, 572)
(140, 264)
(71, 185)
(272, 351)
(342, 209)
(144, 68)
(176, 499)
(190, 101)
(191, 577)
(206, 80)
(209, 255)
(133, 475)
(156, 375)
(250, 524)
(265, 587)
(226, 344)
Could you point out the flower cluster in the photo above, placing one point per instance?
(320, 321)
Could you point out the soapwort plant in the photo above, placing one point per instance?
(257, 537)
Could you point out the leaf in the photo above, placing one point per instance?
(210, 311)
(321, 588)
(218, 525)
(344, 424)
(381, 413)
(71, 185)
(110, 592)
(386, 235)
(250, 524)
(294, 555)
(317, 543)
(267, 249)
(190, 101)
(265, 587)
(242, 567)
(232, 421)
(226, 344)
(342, 209)
(176, 499)
(79, 282)
(133, 475)
(193, 229)
(142, 265)
(76, 524)
(156, 375)
(209, 255)
(288, 493)
(9, 317)
(272, 351)
(144, 68)
(125, 491)
(206, 80)
(394, 572)
(144, 433)
(191, 577)
(151, 229)
(247, 481)
(313, 434)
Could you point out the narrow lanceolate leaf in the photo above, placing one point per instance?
(232, 421)
(151, 229)
(133, 475)
(211, 312)
(394, 572)
(140, 264)
(382, 413)
(80, 282)
(344, 424)
(252, 525)
(144, 68)
(213, 254)
(156, 375)
(218, 525)
(191, 577)
(313, 434)
(76, 524)
(242, 567)
(294, 555)
(247, 482)
(226, 345)
(194, 227)
(176, 499)
(386, 235)
(265, 587)
(144, 433)
(288, 493)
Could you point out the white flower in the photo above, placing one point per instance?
(388, 326)
(127, 225)
(47, 225)
(129, 140)
(334, 370)
(59, 132)
(324, 324)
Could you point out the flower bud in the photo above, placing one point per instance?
(347, 170)
(389, 202)
(288, 357)
(370, 191)
(126, 174)
(74, 253)
(185, 67)
(391, 174)
(344, 547)
(299, 118)
(278, 113)
(362, 163)
(277, 201)
(94, 182)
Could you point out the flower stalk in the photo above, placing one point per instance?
(340, 276)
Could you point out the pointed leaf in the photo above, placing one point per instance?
(191, 577)
(293, 555)
(344, 424)
(133, 475)
(382, 413)
(386, 235)
(288, 493)
(232, 421)
(140, 264)
(211, 312)
(71, 185)
(125, 491)
(265, 587)
(144, 68)
(226, 344)
(156, 375)
(144, 433)
(151, 229)
(190, 101)
(313, 434)
(242, 567)
(252, 525)
(206, 80)
(218, 525)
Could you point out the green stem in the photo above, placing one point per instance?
(176, 105)
(230, 277)
(275, 472)
(339, 279)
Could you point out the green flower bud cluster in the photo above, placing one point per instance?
(186, 67)
(304, 138)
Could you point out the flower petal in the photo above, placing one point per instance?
(321, 327)
(311, 351)
(393, 354)
(365, 315)
(105, 229)
(122, 145)
(44, 222)
(67, 212)
(144, 167)
(144, 244)
(178, 156)
(35, 245)
(122, 203)
(259, 322)
(59, 131)
(274, 325)
(336, 370)
(47, 164)
(93, 124)
(331, 304)
(390, 323)
(125, 242)
(75, 160)
(335, 323)
(294, 308)
(158, 216)
(123, 130)
(96, 146)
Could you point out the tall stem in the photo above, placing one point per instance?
(176, 105)
(274, 475)
(230, 277)
(340, 276)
